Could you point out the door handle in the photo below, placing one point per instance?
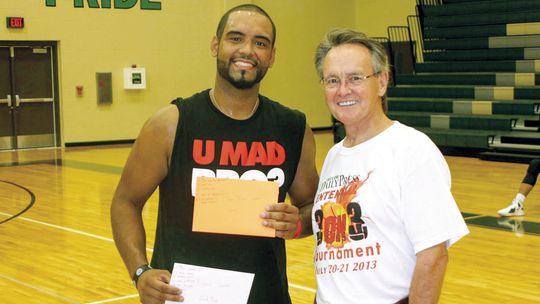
(23, 100)
(9, 100)
(17, 101)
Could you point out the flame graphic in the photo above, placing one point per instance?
(347, 192)
(335, 218)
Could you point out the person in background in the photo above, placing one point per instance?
(516, 207)
(229, 131)
(383, 215)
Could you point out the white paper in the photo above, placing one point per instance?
(204, 285)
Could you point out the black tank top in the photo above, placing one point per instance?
(266, 146)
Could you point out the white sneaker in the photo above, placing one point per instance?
(515, 209)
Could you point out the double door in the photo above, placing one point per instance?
(28, 103)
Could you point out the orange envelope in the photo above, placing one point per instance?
(233, 206)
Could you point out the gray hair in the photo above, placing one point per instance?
(337, 37)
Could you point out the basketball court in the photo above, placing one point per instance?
(56, 241)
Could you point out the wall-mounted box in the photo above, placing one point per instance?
(134, 78)
(104, 87)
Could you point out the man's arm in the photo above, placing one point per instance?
(145, 168)
(428, 274)
(302, 192)
(304, 186)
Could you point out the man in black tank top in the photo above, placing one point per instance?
(227, 131)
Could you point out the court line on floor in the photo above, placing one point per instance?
(112, 241)
(474, 216)
(28, 206)
(41, 290)
(304, 288)
(114, 299)
(66, 229)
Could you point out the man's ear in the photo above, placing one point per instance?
(273, 57)
(214, 45)
(383, 82)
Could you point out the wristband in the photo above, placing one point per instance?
(298, 230)
(138, 272)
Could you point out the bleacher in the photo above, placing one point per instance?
(476, 85)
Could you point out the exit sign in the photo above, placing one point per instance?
(15, 22)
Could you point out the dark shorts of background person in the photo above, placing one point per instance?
(532, 172)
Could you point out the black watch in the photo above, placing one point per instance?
(138, 272)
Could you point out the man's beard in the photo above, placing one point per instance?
(224, 70)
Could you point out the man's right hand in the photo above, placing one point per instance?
(153, 286)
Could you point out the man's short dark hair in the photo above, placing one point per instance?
(244, 7)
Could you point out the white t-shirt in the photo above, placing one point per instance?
(378, 204)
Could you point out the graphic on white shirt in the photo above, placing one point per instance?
(340, 219)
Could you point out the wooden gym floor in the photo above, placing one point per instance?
(56, 243)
